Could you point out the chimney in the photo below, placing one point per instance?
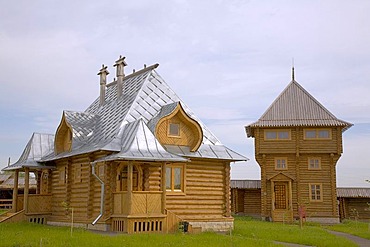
(120, 64)
(103, 72)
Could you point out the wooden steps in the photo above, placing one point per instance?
(12, 217)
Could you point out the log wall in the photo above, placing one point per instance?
(205, 197)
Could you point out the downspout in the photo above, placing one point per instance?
(102, 195)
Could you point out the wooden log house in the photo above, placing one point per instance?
(136, 160)
(297, 145)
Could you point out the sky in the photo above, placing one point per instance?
(227, 60)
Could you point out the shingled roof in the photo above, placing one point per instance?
(132, 115)
(296, 107)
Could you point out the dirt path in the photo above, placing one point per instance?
(362, 242)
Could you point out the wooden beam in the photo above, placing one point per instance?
(26, 188)
(129, 187)
(15, 191)
(163, 185)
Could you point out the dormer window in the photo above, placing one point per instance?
(174, 129)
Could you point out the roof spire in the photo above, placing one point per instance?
(293, 69)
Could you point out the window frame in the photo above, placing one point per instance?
(281, 159)
(171, 177)
(169, 129)
(315, 195)
(317, 134)
(314, 159)
(63, 175)
(277, 131)
(78, 173)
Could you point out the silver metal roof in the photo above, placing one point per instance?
(245, 184)
(296, 107)
(207, 151)
(38, 146)
(353, 192)
(9, 183)
(125, 125)
(139, 143)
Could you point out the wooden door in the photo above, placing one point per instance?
(281, 199)
(240, 206)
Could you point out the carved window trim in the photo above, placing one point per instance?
(315, 192)
(281, 163)
(317, 134)
(277, 135)
(171, 179)
(314, 163)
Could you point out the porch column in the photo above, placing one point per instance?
(272, 196)
(15, 191)
(163, 184)
(26, 188)
(129, 187)
(290, 196)
(38, 180)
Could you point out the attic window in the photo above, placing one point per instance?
(174, 129)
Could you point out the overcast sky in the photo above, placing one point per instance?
(228, 60)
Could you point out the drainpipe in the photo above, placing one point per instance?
(102, 195)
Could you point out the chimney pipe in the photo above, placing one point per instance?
(103, 72)
(120, 64)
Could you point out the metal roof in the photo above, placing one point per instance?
(38, 146)
(145, 98)
(207, 151)
(9, 183)
(139, 143)
(353, 192)
(296, 107)
(245, 184)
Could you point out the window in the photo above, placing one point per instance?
(101, 171)
(174, 178)
(317, 134)
(314, 163)
(63, 176)
(78, 169)
(281, 163)
(277, 135)
(315, 192)
(174, 129)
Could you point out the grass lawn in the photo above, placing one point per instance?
(247, 233)
(3, 211)
(360, 229)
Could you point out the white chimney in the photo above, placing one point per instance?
(103, 72)
(120, 64)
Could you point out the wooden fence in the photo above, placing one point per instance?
(6, 203)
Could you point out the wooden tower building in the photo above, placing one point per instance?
(297, 145)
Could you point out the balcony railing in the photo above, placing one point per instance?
(142, 203)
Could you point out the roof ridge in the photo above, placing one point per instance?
(151, 67)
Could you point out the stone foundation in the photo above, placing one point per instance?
(97, 227)
(215, 226)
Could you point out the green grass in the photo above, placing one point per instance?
(247, 233)
(357, 228)
(2, 211)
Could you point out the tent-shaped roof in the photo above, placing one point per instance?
(38, 146)
(296, 107)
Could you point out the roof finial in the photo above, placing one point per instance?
(293, 69)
